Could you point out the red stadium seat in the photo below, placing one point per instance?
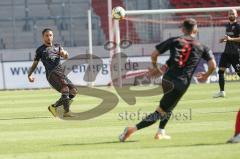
(204, 3)
(174, 2)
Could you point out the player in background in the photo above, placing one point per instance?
(50, 55)
(185, 54)
(236, 136)
(231, 54)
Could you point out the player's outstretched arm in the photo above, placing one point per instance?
(33, 67)
(211, 67)
(63, 53)
(228, 38)
(154, 58)
(155, 71)
(203, 76)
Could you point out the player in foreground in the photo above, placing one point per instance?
(231, 54)
(185, 54)
(236, 137)
(50, 55)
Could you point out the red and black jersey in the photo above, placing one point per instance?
(185, 54)
(49, 55)
(233, 31)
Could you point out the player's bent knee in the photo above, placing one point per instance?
(65, 90)
(161, 111)
(73, 91)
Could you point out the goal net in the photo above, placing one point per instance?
(141, 30)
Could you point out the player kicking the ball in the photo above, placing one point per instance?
(185, 54)
(50, 55)
(231, 54)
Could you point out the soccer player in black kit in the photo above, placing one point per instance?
(50, 54)
(185, 54)
(231, 54)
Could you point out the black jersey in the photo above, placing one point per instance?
(49, 55)
(233, 31)
(185, 54)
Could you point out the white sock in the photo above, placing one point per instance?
(161, 131)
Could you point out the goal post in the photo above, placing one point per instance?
(146, 28)
(118, 51)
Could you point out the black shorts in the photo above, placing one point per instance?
(58, 80)
(228, 59)
(173, 90)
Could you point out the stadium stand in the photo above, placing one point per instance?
(206, 3)
(68, 18)
(21, 23)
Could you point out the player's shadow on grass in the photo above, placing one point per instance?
(208, 144)
(25, 118)
(98, 143)
(135, 141)
(194, 145)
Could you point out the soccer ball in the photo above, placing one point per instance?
(118, 13)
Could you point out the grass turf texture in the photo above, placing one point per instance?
(27, 130)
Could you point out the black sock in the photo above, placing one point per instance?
(238, 73)
(149, 120)
(59, 102)
(221, 80)
(65, 99)
(165, 120)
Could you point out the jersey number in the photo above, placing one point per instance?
(184, 54)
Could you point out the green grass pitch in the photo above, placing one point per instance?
(28, 131)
